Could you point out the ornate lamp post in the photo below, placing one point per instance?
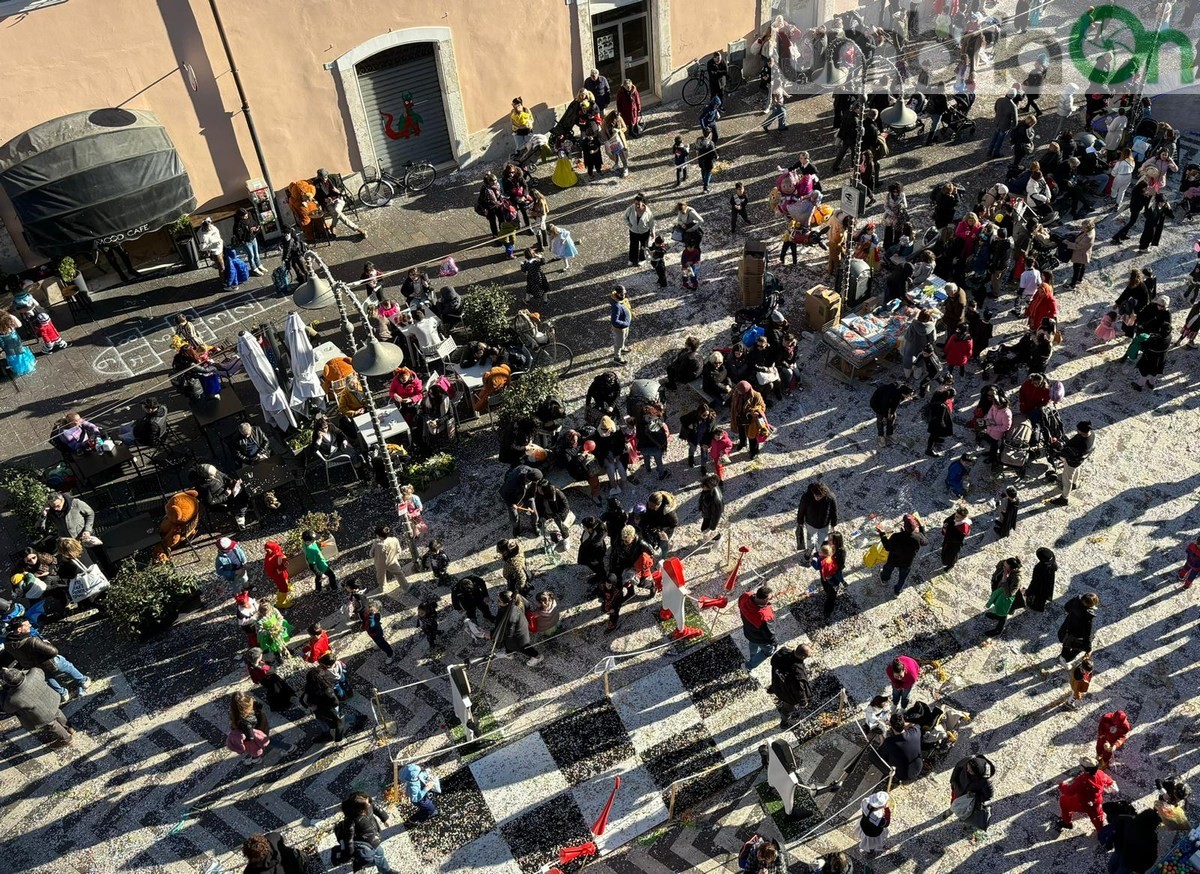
(373, 359)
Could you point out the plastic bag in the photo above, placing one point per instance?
(875, 555)
(448, 267)
(1057, 391)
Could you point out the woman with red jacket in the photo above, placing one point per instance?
(1043, 305)
(629, 104)
(406, 392)
(1032, 398)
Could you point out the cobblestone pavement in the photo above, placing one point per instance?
(149, 786)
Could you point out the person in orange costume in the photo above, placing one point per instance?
(182, 516)
(1084, 794)
(1110, 735)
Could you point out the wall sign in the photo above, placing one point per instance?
(606, 47)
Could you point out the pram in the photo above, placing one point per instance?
(1003, 360)
(532, 154)
(1018, 448)
(956, 119)
(747, 317)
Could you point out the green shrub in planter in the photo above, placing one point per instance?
(300, 438)
(325, 524)
(523, 396)
(67, 270)
(27, 496)
(420, 474)
(144, 600)
(487, 313)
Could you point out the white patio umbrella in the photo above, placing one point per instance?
(306, 383)
(274, 403)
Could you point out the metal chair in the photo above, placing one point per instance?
(440, 353)
(341, 459)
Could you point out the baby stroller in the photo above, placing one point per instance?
(1018, 447)
(956, 120)
(938, 724)
(747, 317)
(1002, 361)
(531, 155)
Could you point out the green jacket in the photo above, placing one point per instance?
(314, 557)
(1000, 603)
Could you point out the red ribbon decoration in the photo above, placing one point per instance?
(602, 823)
(570, 854)
(706, 602)
(731, 583)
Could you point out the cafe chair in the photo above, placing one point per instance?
(434, 356)
(339, 459)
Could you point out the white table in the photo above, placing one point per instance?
(325, 353)
(391, 423)
(472, 377)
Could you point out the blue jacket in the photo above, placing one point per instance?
(229, 563)
(956, 477)
(619, 315)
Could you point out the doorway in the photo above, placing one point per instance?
(622, 46)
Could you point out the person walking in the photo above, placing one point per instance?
(1006, 120)
(1006, 513)
(36, 706)
(620, 317)
(231, 564)
(639, 219)
(1075, 451)
(940, 424)
(1041, 584)
(831, 564)
(279, 694)
(373, 625)
(512, 629)
(1140, 197)
(1111, 734)
(274, 631)
(816, 516)
(1191, 564)
(269, 854)
(885, 401)
(275, 568)
(704, 153)
(1079, 680)
(791, 683)
(737, 207)
(317, 562)
(758, 624)
(385, 554)
(712, 506)
(1084, 794)
(629, 105)
(420, 786)
(972, 778)
(902, 548)
(999, 605)
(1077, 630)
(249, 731)
(955, 529)
(1135, 842)
(1081, 251)
(902, 673)
(748, 417)
(359, 833)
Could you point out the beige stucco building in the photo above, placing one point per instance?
(343, 84)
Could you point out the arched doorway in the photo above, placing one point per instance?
(403, 98)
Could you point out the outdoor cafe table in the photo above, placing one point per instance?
(128, 538)
(210, 411)
(89, 465)
(391, 423)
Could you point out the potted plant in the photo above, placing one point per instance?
(486, 310)
(521, 399)
(434, 475)
(299, 440)
(27, 496)
(184, 238)
(326, 525)
(145, 601)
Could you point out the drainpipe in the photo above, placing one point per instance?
(237, 80)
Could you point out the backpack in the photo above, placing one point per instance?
(748, 854)
(280, 279)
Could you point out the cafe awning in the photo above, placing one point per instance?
(92, 178)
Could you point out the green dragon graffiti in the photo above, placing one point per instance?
(1146, 44)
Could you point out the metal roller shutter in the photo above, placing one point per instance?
(402, 96)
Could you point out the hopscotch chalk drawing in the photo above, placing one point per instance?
(144, 348)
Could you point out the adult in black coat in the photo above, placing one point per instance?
(1041, 585)
(512, 628)
(1076, 632)
(716, 382)
(902, 749)
(602, 396)
(517, 494)
(1153, 360)
(941, 425)
(973, 777)
(1135, 842)
(712, 504)
(469, 594)
(885, 401)
(593, 547)
(902, 548)
(360, 828)
(945, 204)
(687, 364)
(1140, 196)
(1154, 316)
(320, 697)
(270, 854)
(791, 683)
(815, 517)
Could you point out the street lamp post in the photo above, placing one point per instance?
(373, 359)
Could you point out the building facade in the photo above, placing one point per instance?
(343, 84)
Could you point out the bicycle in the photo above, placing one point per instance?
(548, 352)
(378, 190)
(696, 90)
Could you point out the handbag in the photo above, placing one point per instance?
(677, 235)
(615, 146)
(767, 375)
(875, 555)
(962, 807)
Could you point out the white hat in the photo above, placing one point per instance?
(878, 801)
(1162, 300)
(225, 543)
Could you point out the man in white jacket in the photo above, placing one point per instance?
(211, 244)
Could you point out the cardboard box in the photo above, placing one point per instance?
(751, 286)
(754, 258)
(822, 306)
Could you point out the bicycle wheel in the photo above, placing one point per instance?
(695, 92)
(377, 193)
(736, 79)
(554, 356)
(419, 176)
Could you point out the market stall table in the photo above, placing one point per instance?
(391, 423)
(128, 538)
(210, 411)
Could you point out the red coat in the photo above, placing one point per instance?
(958, 350)
(1031, 397)
(1085, 793)
(1112, 731)
(275, 565)
(1043, 306)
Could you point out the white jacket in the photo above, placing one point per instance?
(639, 225)
(210, 240)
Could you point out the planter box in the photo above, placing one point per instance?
(149, 629)
(438, 486)
(298, 567)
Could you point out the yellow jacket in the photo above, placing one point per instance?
(521, 119)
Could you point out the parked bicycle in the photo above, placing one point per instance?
(379, 187)
(550, 353)
(696, 90)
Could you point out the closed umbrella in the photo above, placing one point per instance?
(270, 395)
(306, 383)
